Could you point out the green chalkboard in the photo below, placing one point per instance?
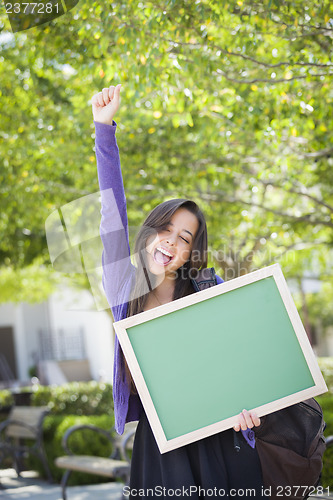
(205, 362)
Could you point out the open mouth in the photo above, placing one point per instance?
(162, 256)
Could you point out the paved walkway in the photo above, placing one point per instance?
(29, 487)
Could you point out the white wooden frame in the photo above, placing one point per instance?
(270, 271)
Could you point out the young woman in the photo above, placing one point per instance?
(171, 244)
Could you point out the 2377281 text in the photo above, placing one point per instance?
(32, 8)
(288, 491)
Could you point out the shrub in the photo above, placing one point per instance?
(6, 399)
(326, 402)
(83, 443)
(75, 398)
(71, 404)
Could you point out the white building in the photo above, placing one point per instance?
(65, 336)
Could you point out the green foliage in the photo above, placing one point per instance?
(6, 399)
(326, 402)
(83, 443)
(75, 398)
(320, 305)
(33, 371)
(326, 367)
(226, 103)
(71, 404)
(33, 283)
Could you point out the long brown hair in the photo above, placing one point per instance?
(159, 218)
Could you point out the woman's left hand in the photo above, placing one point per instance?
(247, 420)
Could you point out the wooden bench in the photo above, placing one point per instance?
(22, 434)
(116, 466)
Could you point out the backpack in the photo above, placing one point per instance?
(205, 278)
(290, 444)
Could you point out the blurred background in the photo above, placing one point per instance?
(225, 102)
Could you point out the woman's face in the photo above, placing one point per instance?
(172, 246)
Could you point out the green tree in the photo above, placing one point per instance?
(225, 102)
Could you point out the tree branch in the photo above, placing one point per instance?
(304, 218)
(289, 190)
(271, 80)
(199, 45)
(318, 154)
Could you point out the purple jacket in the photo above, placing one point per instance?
(118, 271)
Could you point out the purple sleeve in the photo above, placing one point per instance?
(117, 267)
(108, 165)
(249, 437)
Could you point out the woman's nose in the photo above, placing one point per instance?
(171, 239)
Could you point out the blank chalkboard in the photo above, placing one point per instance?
(197, 362)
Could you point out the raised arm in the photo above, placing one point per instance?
(117, 267)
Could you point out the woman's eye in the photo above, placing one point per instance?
(184, 239)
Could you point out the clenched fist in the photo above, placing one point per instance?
(105, 104)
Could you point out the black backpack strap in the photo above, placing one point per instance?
(205, 278)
